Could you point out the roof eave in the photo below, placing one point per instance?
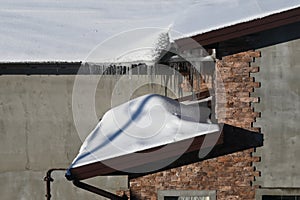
(242, 29)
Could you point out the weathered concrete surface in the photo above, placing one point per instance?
(25, 185)
(280, 108)
(38, 133)
(36, 123)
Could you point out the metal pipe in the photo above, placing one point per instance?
(99, 191)
(49, 179)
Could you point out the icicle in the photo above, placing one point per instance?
(117, 70)
(178, 81)
(127, 70)
(174, 79)
(199, 79)
(161, 79)
(179, 87)
(191, 79)
(130, 83)
(120, 69)
(166, 78)
(123, 70)
(152, 75)
(170, 78)
(130, 72)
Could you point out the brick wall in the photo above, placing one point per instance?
(231, 175)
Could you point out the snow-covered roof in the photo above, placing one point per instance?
(69, 30)
(134, 46)
(145, 122)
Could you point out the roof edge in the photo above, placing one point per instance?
(242, 29)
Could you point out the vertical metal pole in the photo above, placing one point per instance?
(49, 179)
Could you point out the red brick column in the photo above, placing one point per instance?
(234, 86)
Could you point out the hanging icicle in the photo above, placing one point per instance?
(130, 71)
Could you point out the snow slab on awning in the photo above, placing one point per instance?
(150, 133)
(145, 122)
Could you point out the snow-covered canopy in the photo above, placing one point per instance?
(145, 122)
(69, 30)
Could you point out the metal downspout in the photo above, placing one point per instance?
(49, 179)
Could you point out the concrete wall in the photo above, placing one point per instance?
(280, 107)
(37, 132)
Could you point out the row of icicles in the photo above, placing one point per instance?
(182, 77)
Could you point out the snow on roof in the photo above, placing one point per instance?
(213, 15)
(69, 30)
(145, 122)
(137, 45)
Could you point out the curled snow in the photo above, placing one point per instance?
(148, 121)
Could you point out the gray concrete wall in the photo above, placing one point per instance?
(280, 108)
(37, 132)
